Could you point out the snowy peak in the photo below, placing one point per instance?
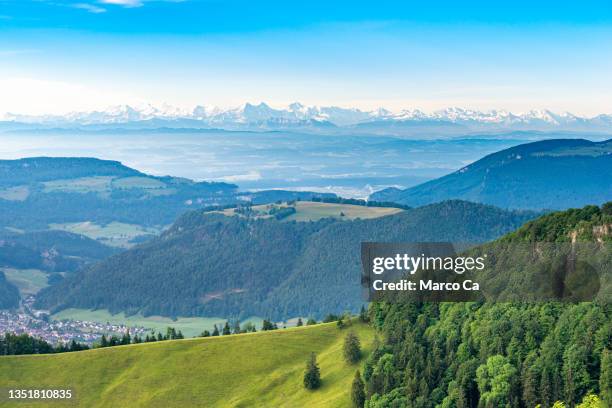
(263, 116)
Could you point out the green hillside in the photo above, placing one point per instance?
(262, 369)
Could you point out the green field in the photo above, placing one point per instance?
(261, 369)
(28, 281)
(102, 185)
(115, 234)
(95, 184)
(313, 211)
(190, 326)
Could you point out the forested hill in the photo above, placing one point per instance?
(9, 294)
(499, 354)
(550, 174)
(38, 192)
(210, 264)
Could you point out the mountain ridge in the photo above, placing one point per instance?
(525, 176)
(297, 115)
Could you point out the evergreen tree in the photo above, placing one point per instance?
(300, 322)
(358, 395)
(330, 318)
(249, 327)
(530, 381)
(268, 325)
(215, 330)
(205, 333)
(605, 377)
(352, 348)
(103, 341)
(237, 329)
(226, 329)
(312, 375)
(363, 314)
(170, 333)
(311, 321)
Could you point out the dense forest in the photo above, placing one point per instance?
(9, 294)
(209, 264)
(489, 355)
(18, 344)
(548, 174)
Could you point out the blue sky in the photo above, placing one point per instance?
(60, 55)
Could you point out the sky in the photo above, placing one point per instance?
(59, 56)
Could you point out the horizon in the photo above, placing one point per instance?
(394, 55)
(182, 111)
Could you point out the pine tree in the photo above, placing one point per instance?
(215, 330)
(311, 321)
(126, 339)
(268, 325)
(605, 377)
(300, 322)
(103, 341)
(205, 333)
(358, 396)
(352, 348)
(237, 329)
(363, 314)
(312, 375)
(226, 329)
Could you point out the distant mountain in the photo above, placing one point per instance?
(38, 192)
(315, 118)
(551, 174)
(208, 264)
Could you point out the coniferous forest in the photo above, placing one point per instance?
(497, 354)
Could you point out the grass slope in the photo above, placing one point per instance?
(262, 369)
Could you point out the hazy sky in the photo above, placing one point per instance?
(61, 55)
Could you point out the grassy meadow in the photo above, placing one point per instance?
(313, 211)
(263, 369)
(115, 234)
(28, 281)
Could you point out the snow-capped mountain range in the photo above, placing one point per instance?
(296, 115)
